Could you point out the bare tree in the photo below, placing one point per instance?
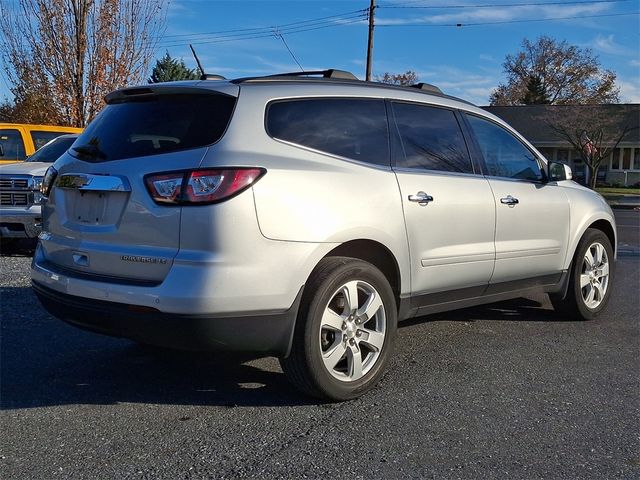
(593, 132)
(407, 78)
(67, 54)
(566, 74)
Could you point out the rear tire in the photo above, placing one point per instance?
(590, 280)
(345, 331)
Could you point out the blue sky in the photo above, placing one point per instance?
(463, 61)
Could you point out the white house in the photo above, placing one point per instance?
(534, 122)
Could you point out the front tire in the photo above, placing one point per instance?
(590, 278)
(345, 330)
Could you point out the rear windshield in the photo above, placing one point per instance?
(154, 125)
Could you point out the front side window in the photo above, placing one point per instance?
(351, 128)
(431, 139)
(154, 125)
(12, 145)
(42, 138)
(504, 155)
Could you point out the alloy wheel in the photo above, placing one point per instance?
(352, 331)
(594, 277)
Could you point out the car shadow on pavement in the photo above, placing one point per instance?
(534, 309)
(44, 362)
(17, 247)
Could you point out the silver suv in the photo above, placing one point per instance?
(303, 217)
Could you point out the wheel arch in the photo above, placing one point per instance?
(604, 223)
(376, 254)
(606, 227)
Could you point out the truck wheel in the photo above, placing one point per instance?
(590, 278)
(345, 330)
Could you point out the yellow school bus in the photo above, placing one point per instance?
(18, 140)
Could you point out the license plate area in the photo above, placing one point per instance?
(92, 208)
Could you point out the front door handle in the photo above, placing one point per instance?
(421, 197)
(509, 200)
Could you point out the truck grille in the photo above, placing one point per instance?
(14, 183)
(10, 199)
(16, 191)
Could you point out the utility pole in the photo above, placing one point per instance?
(372, 8)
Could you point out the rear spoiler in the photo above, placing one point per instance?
(172, 88)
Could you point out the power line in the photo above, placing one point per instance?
(337, 17)
(499, 5)
(265, 34)
(281, 37)
(502, 22)
(266, 31)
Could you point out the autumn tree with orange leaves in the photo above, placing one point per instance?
(62, 56)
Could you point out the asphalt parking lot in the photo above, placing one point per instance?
(502, 391)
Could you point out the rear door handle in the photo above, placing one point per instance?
(509, 200)
(421, 197)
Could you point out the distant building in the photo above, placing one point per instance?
(532, 121)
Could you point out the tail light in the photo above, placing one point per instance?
(47, 181)
(200, 187)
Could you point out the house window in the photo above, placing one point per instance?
(626, 159)
(615, 159)
(562, 155)
(577, 158)
(636, 158)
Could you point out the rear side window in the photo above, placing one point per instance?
(351, 128)
(504, 155)
(12, 145)
(42, 138)
(155, 125)
(431, 139)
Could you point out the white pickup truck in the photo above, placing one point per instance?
(20, 190)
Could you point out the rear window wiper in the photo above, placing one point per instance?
(89, 150)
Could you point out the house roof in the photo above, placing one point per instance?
(533, 121)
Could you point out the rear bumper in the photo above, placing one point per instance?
(20, 223)
(265, 332)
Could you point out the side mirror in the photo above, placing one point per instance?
(557, 172)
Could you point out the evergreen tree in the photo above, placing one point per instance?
(169, 69)
(536, 94)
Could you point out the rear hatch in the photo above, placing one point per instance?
(100, 221)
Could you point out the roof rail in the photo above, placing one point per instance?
(427, 87)
(330, 73)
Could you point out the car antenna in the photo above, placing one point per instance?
(203, 76)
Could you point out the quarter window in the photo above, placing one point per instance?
(504, 155)
(351, 128)
(431, 139)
